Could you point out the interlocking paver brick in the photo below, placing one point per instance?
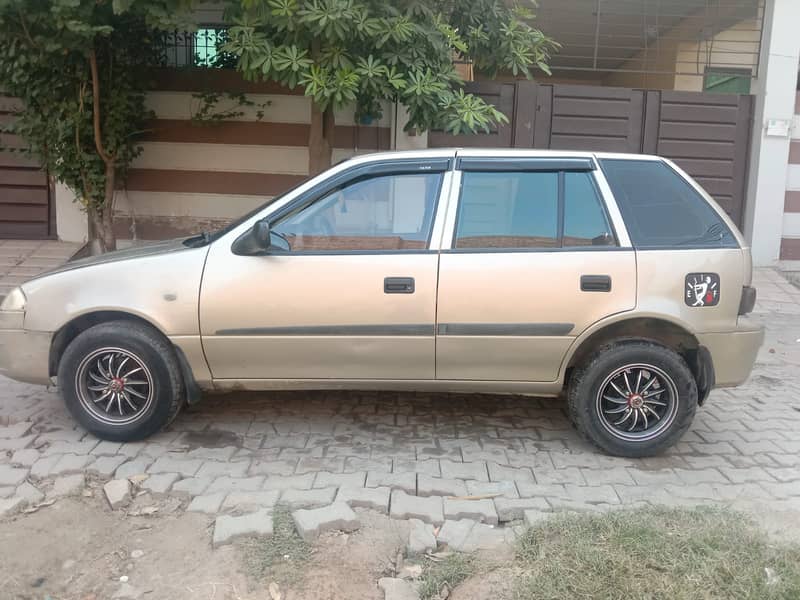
(207, 503)
(67, 485)
(9, 505)
(277, 466)
(421, 537)
(396, 481)
(167, 464)
(26, 458)
(308, 498)
(512, 509)
(106, 465)
(12, 444)
(662, 477)
(600, 476)
(17, 430)
(591, 494)
(12, 476)
(291, 482)
(71, 463)
(72, 447)
(104, 448)
(745, 475)
(454, 533)
(221, 454)
(117, 492)
(235, 484)
(700, 476)
(507, 489)
(314, 465)
(137, 466)
(404, 506)
(29, 493)
(336, 517)
(475, 471)
(251, 500)
(213, 468)
(529, 489)
(429, 466)
(351, 480)
(437, 486)
(376, 498)
(228, 528)
(192, 486)
(566, 475)
(159, 484)
(477, 510)
(502, 473)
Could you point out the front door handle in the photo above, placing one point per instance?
(398, 285)
(595, 283)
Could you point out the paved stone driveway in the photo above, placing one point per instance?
(407, 453)
(22, 259)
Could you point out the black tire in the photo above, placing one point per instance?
(123, 344)
(590, 407)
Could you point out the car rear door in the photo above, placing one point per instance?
(529, 260)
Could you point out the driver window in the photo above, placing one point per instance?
(390, 212)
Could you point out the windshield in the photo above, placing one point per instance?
(204, 238)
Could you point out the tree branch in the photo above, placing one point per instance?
(98, 139)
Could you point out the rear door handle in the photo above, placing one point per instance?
(595, 283)
(398, 285)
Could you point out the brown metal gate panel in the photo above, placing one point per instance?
(707, 135)
(26, 210)
(500, 95)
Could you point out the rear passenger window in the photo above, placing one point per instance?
(585, 221)
(508, 210)
(530, 210)
(661, 209)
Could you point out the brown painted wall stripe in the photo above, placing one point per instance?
(211, 182)
(262, 133)
(794, 153)
(164, 228)
(790, 249)
(797, 104)
(791, 204)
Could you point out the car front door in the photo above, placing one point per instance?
(349, 293)
(529, 260)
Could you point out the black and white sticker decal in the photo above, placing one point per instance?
(702, 289)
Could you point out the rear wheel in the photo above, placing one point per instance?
(633, 399)
(121, 381)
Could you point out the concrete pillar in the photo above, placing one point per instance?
(72, 224)
(775, 99)
(402, 140)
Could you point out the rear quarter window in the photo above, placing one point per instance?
(661, 209)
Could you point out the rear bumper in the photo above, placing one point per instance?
(733, 353)
(24, 355)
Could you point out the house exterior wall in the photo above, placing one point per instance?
(790, 234)
(193, 176)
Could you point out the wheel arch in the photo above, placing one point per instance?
(647, 327)
(80, 323)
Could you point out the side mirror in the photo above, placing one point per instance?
(255, 241)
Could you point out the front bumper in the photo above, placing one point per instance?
(24, 355)
(733, 353)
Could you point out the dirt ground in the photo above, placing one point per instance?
(78, 549)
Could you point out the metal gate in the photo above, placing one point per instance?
(707, 135)
(26, 208)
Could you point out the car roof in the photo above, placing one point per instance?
(515, 153)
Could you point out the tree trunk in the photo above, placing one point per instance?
(320, 139)
(103, 219)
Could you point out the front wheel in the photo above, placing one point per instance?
(121, 381)
(633, 399)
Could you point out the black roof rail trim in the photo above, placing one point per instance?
(476, 163)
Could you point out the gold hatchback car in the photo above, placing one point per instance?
(614, 279)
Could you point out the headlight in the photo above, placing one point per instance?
(15, 300)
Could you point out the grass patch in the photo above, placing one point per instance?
(686, 554)
(450, 570)
(280, 557)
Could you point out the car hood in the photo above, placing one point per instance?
(150, 249)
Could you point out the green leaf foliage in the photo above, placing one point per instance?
(44, 61)
(366, 51)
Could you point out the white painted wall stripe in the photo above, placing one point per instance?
(791, 224)
(793, 177)
(170, 204)
(281, 109)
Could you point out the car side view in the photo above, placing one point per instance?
(612, 279)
